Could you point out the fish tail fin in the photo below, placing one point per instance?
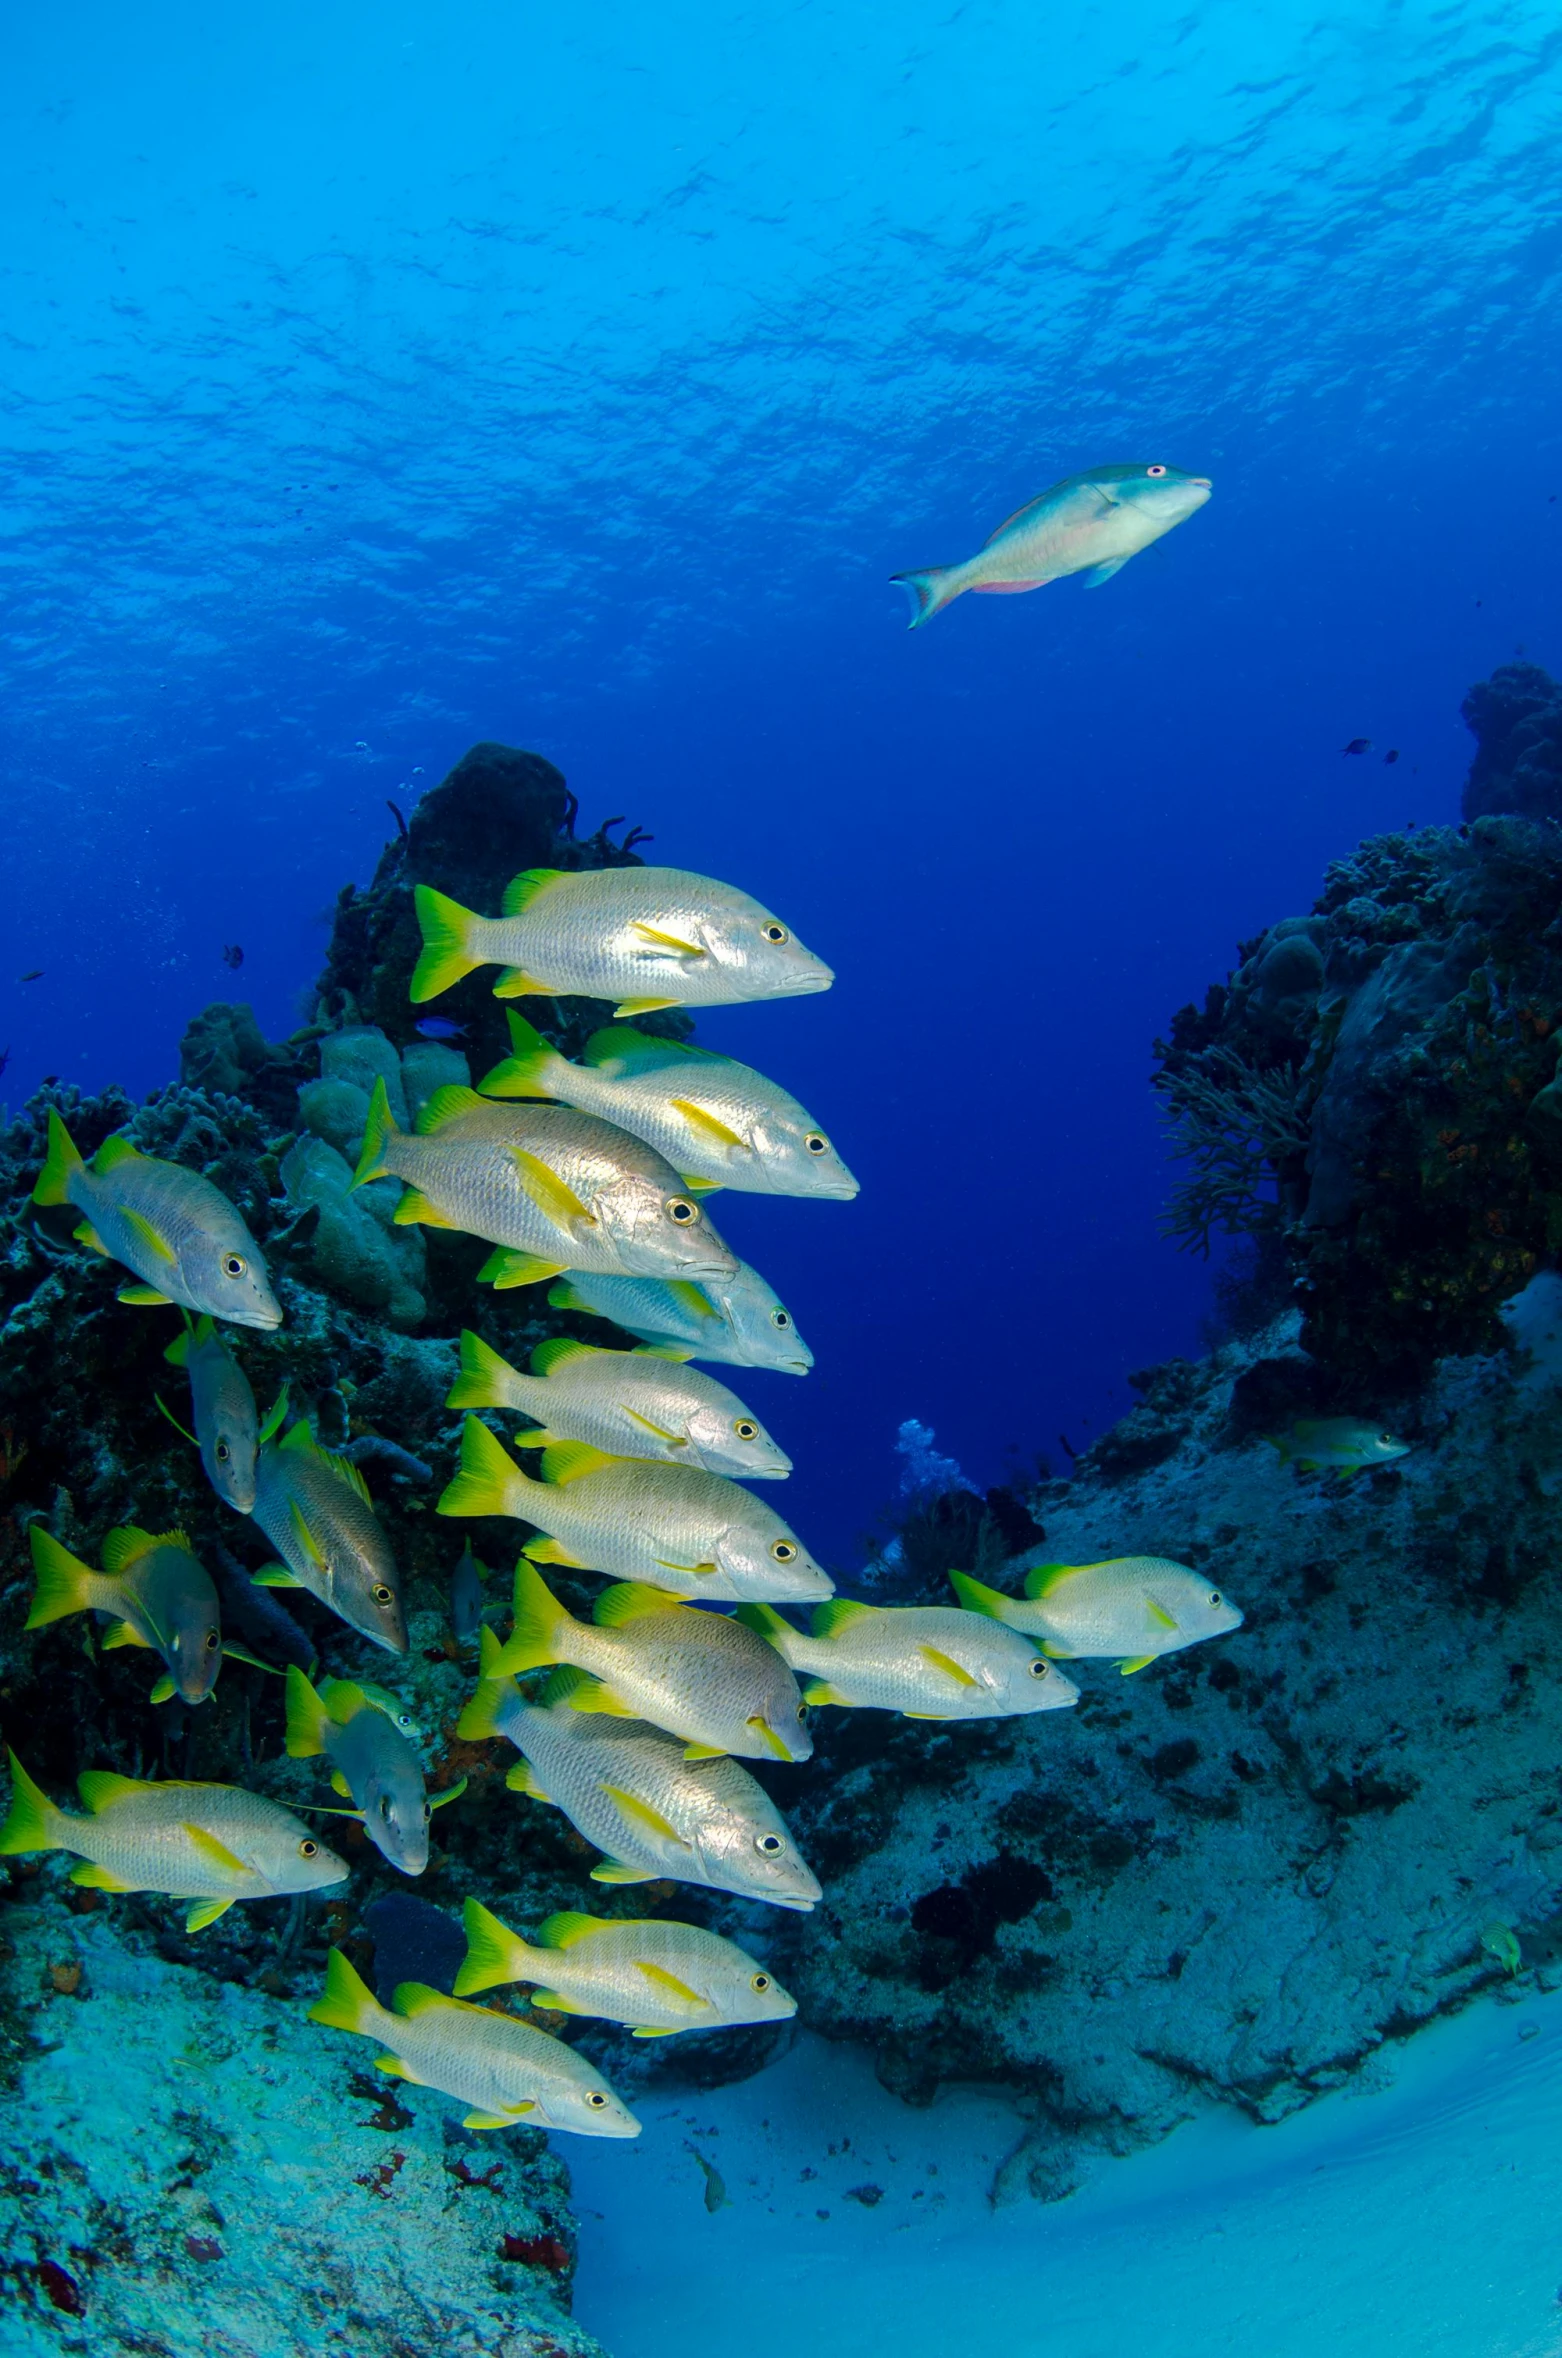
(490, 1482)
(307, 1717)
(929, 590)
(540, 1627)
(532, 1067)
(978, 1598)
(347, 2003)
(62, 1159)
(447, 943)
(480, 1717)
(494, 1953)
(378, 1133)
(32, 1822)
(485, 1378)
(64, 1583)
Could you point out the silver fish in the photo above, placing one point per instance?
(554, 1190)
(645, 937)
(924, 1661)
(510, 2073)
(629, 1789)
(1135, 1607)
(625, 1403)
(674, 1527)
(653, 1975)
(315, 1509)
(732, 1321)
(178, 1233)
(718, 1122)
(372, 1763)
(1338, 1444)
(156, 1594)
(228, 1430)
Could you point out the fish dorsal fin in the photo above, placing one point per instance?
(686, 1292)
(643, 1818)
(127, 1546)
(178, 1351)
(148, 1234)
(838, 1614)
(522, 890)
(948, 1665)
(447, 1105)
(1042, 1579)
(567, 1461)
(569, 1925)
(489, 1650)
(345, 1471)
(101, 1788)
(213, 1853)
(300, 1437)
(632, 1600)
(706, 1124)
(618, 1047)
(112, 1153)
(668, 1984)
(343, 1699)
(553, 1196)
(1014, 519)
(559, 1350)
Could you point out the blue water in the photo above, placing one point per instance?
(379, 379)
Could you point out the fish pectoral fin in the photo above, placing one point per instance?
(451, 1793)
(670, 1986)
(553, 1196)
(661, 939)
(214, 1853)
(150, 1238)
(644, 1819)
(274, 1576)
(164, 1691)
(87, 1235)
(693, 1184)
(614, 1871)
(1159, 1615)
(1100, 573)
(1057, 1652)
(706, 1125)
(305, 1537)
(691, 1571)
(242, 1654)
(705, 1752)
(948, 1665)
(499, 2120)
(205, 1912)
(659, 1432)
(642, 1006)
(1139, 1662)
(768, 1737)
(91, 1877)
(143, 1297)
(122, 1633)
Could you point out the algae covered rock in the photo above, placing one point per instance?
(356, 1249)
(1516, 718)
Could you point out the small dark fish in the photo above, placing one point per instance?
(232, 955)
(716, 2196)
(466, 1598)
(432, 1027)
(5, 1058)
(1358, 745)
(35, 976)
(1392, 754)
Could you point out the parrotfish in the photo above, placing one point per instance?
(645, 1655)
(315, 1509)
(732, 1321)
(213, 1844)
(719, 1123)
(1134, 1607)
(1337, 1444)
(626, 1403)
(629, 1789)
(924, 1661)
(675, 1527)
(228, 1431)
(178, 1233)
(552, 1189)
(156, 1594)
(1091, 524)
(643, 937)
(373, 1764)
(654, 1976)
(511, 2074)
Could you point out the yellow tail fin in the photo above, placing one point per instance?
(347, 2003)
(381, 1129)
(62, 1159)
(485, 1378)
(33, 1822)
(447, 935)
(308, 1720)
(490, 1482)
(64, 1582)
(540, 1624)
(494, 1954)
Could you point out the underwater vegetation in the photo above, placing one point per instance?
(1373, 1092)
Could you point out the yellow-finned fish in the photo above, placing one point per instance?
(625, 1403)
(213, 1844)
(511, 2074)
(654, 1976)
(730, 1321)
(172, 1228)
(1091, 524)
(924, 1661)
(228, 1430)
(552, 1189)
(630, 1789)
(373, 1763)
(1134, 1607)
(1341, 1445)
(673, 1527)
(718, 1122)
(646, 1655)
(644, 937)
(156, 1594)
(315, 1509)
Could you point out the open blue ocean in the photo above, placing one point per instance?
(377, 384)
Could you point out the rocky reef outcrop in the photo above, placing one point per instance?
(1516, 720)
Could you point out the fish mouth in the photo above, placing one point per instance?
(794, 985)
(266, 1321)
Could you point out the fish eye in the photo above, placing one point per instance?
(680, 1209)
(222, 1453)
(783, 1551)
(816, 1144)
(308, 1849)
(385, 1809)
(596, 2099)
(746, 1429)
(769, 1846)
(1215, 1597)
(1155, 470)
(775, 933)
(802, 1711)
(759, 1982)
(382, 1595)
(779, 1318)
(1039, 1669)
(213, 1641)
(234, 1264)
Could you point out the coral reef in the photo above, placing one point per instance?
(1516, 719)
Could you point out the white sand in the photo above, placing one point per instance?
(1419, 2219)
